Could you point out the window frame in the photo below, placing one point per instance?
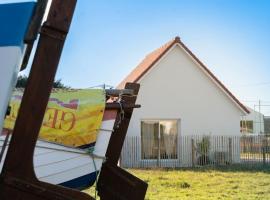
(247, 129)
(158, 120)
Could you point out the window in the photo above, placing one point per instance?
(159, 139)
(246, 126)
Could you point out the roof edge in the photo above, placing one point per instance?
(177, 40)
(214, 77)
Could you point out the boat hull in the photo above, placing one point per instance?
(14, 21)
(71, 167)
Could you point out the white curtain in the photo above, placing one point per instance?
(168, 137)
(161, 133)
(149, 140)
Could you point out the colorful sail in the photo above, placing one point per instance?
(72, 117)
(15, 17)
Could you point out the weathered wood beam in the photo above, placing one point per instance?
(118, 106)
(33, 29)
(118, 92)
(114, 182)
(18, 180)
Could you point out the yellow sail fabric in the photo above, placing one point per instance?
(72, 117)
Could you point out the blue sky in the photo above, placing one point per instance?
(109, 38)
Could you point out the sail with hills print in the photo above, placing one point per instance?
(15, 17)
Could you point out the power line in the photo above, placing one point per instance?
(256, 101)
(253, 84)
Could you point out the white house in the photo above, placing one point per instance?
(179, 97)
(253, 123)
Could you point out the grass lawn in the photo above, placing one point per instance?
(205, 184)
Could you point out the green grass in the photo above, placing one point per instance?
(208, 184)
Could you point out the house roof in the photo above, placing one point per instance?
(151, 59)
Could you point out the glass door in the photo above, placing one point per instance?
(168, 139)
(159, 139)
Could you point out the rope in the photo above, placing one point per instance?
(77, 151)
(95, 167)
(83, 152)
(122, 111)
(4, 146)
(93, 156)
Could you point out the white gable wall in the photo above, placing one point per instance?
(176, 88)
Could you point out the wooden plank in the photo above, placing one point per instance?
(118, 106)
(120, 184)
(33, 29)
(119, 134)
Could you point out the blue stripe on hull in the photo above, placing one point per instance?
(14, 21)
(82, 182)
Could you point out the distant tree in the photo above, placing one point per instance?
(22, 80)
(59, 84)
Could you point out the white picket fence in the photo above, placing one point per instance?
(195, 150)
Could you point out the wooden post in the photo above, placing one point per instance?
(264, 146)
(158, 158)
(230, 150)
(193, 152)
(114, 182)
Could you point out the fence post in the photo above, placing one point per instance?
(230, 150)
(193, 152)
(264, 150)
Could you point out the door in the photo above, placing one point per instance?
(159, 140)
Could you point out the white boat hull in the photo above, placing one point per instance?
(14, 20)
(67, 166)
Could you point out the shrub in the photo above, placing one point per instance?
(185, 185)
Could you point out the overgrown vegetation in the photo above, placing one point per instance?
(205, 184)
(203, 148)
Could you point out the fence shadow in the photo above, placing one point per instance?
(228, 168)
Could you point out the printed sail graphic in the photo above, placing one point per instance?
(72, 117)
(15, 17)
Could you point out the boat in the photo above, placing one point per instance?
(53, 163)
(12, 46)
(35, 169)
(59, 158)
(71, 167)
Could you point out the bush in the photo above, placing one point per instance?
(203, 149)
(185, 185)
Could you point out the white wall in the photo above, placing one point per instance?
(178, 89)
